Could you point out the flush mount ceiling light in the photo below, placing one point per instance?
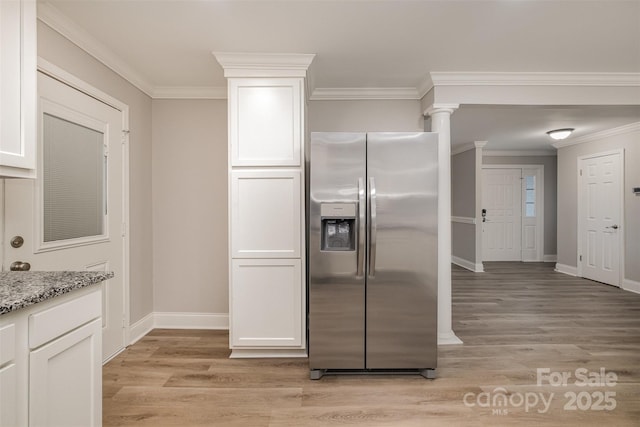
(558, 134)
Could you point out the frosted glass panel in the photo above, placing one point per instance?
(73, 180)
(530, 196)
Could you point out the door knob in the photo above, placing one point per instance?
(615, 227)
(20, 266)
(17, 241)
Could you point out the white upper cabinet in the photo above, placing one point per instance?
(265, 121)
(18, 69)
(266, 214)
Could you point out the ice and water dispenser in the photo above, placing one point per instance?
(338, 226)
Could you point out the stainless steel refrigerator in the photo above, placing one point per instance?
(373, 202)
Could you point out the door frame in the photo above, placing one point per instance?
(580, 220)
(69, 79)
(539, 205)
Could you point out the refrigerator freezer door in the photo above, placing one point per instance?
(401, 318)
(336, 282)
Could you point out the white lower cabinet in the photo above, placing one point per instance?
(65, 376)
(8, 398)
(267, 304)
(51, 362)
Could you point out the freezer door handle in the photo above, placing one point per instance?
(361, 224)
(373, 228)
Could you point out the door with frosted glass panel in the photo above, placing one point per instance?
(71, 216)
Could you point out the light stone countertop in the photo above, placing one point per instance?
(19, 289)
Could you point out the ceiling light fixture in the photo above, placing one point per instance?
(558, 134)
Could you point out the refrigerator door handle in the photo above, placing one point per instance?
(373, 228)
(361, 227)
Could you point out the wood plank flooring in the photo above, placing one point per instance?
(513, 319)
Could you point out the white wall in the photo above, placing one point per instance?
(366, 116)
(568, 198)
(61, 52)
(190, 256)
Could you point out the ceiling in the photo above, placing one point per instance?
(378, 44)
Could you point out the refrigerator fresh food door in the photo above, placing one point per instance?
(337, 250)
(401, 317)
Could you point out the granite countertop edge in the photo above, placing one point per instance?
(22, 289)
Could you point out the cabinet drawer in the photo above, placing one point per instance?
(7, 344)
(60, 319)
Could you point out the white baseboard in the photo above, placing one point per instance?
(141, 328)
(631, 286)
(177, 321)
(549, 258)
(566, 269)
(448, 338)
(191, 320)
(249, 353)
(461, 262)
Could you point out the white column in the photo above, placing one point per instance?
(441, 123)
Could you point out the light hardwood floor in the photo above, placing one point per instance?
(514, 319)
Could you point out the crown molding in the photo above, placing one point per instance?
(620, 130)
(480, 144)
(189, 92)
(364, 93)
(517, 153)
(462, 148)
(446, 78)
(425, 86)
(264, 64)
(52, 17)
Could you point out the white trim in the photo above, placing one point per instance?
(52, 17)
(631, 286)
(518, 153)
(447, 78)
(462, 148)
(264, 64)
(249, 353)
(189, 92)
(469, 265)
(448, 338)
(440, 107)
(468, 146)
(141, 328)
(550, 258)
(364, 93)
(172, 320)
(463, 219)
(580, 222)
(620, 130)
(78, 84)
(566, 269)
(191, 320)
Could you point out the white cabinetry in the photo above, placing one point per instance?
(8, 376)
(52, 374)
(266, 203)
(18, 88)
(266, 214)
(268, 289)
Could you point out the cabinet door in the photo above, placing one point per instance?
(265, 121)
(266, 211)
(17, 88)
(65, 380)
(8, 396)
(266, 303)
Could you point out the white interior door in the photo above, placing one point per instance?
(71, 216)
(600, 217)
(502, 228)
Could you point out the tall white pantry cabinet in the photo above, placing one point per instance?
(266, 108)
